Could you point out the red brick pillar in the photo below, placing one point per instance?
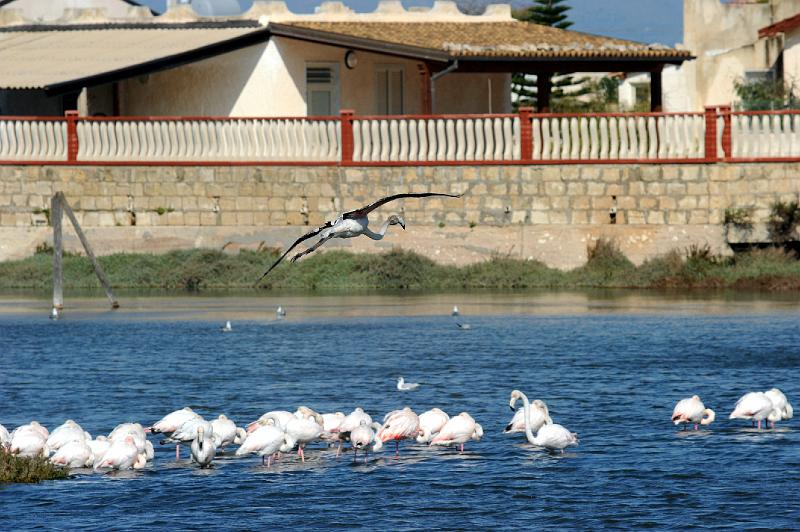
(526, 132)
(347, 135)
(711, 134)
(72, 135)
(727, 147)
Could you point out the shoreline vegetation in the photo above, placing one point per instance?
(771, 269)
(19, 470)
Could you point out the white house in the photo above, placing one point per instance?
(269, 61)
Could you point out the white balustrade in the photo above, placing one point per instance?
(765, 135)
(33, 140)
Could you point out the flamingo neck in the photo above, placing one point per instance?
(381, 232)
(527, 411)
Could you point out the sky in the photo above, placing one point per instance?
(650, 21)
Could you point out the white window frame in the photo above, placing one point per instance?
(334, 85)
(388, 68)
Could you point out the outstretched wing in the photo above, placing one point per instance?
(363, 211)
(306, 236)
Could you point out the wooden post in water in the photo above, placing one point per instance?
(58, 273)
(101, 275)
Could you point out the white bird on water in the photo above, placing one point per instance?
(553, 437)
(455, 311)
(352, 224)
(227, 327)
(281, 312)
(755, 406)
(692, 410)
(404, 386)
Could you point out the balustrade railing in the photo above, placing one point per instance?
(718, 134)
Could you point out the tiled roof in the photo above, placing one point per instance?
(495, 39)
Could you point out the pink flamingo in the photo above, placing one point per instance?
(692, 410)
(459, 430)
(399, 425)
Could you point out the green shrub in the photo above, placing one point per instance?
(783, 219)
(28, 470)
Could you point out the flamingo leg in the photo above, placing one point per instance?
(302, 455)
(772, 423)
(759, 424)
(269, 461)
(461, 449)
(695, 426)
(339, 449)
(177, 451)
(312, 248)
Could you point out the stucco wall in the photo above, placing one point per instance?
(269, 80)
(551, 208)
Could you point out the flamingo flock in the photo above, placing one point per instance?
(278, 432)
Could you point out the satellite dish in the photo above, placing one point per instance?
(216, 8)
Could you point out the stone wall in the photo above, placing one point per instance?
(518, 208)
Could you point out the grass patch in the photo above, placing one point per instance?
(607, 267)
(28, 470)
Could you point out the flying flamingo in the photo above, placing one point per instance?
(431, 423)
(458, 431)
(399, 425)
(781, 408)
(692, 410)
(352, 224)
(539, 415)
(552, 437)
(755, 406)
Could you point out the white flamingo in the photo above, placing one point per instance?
(539, 415)
(99, 446)
(365, 438)
(226, 432)
(692, 410)
(351, 422)
(352, 224)
(65, 433)
(172, 421)
(29, 440)
(5, 437)
(203, 447)
(431, 423)
(399, 425)
(755, 406)
(187, 432)
(122, 454)
(301, 431)
(458, 431)
(781, 408)
(553, 437)
(265, 441)
(74, 454)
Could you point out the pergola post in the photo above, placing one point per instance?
(425, 88)
(656, 105)
(544, 86)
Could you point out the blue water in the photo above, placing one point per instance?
(612, 374)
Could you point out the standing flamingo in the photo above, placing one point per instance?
(122, 454)
(431, 423)
(266, 440)
(226, 432)
(364, 437)
(553, 437)
(539, 415)
(203, 447)
(781, 408)
(351, 422)
(458, 431)
(400, 425)
(755, 406)
(692, 410)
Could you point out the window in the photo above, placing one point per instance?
(322, 89)
(389, 90)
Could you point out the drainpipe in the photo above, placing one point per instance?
(451, 67)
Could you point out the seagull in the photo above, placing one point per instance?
(464, 326)
(227, 327)
(455, 311)
(352, 224)
(281, 313)
(404, 386)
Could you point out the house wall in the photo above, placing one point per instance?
(544, 212)
(724, 38)
(50, 10)
(269, 80)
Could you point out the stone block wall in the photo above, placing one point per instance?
(210, 206)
